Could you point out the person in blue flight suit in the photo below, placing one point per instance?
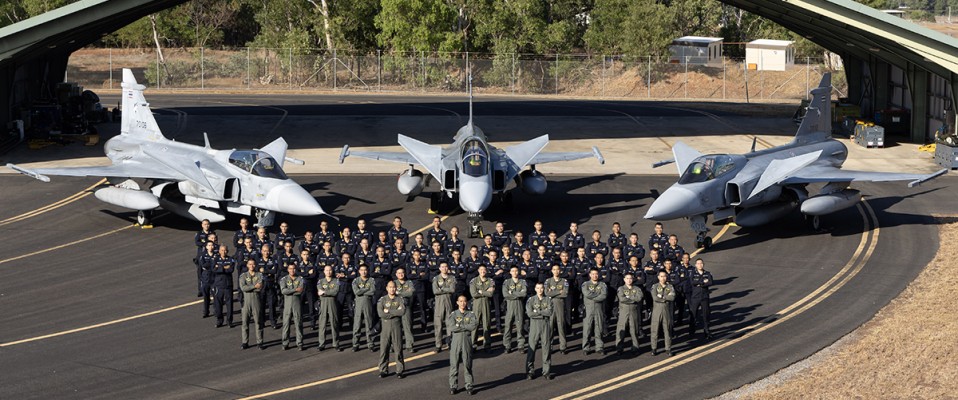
(307, 270)
(362, 233)
(310, 244)
(381, 270)
(500, 237)
(454, 243)
(284, 235)
(206, 264)
(519, 244)
(570, 274)
(383, 242)
(419, 244)
(487, 246)
(399, 257)
(243, 233)
(673, 251)
(633, 248)
(346, 244)
(244, 253)
(325, 234)
(543, 261)
(701, 281)
(266, 264)
(528, 268)
(499, 275)
(222, 289)
(365, 254)
(418, 272)
(616, 238)
(200, 240)
(436, 234)
(538, 236)
(398, 232)
(573, 240)
(262, 238)
(473, 262)
(326, 256)
(616, 265)
(680, 279)
(434, 258)
(658, 239)
(345, 271)
(459, 270)
(553, 246)
(597, 246)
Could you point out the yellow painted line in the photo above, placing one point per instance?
(100, 325)
(65, 245)
(854, 264)
(53, 206)
(420, 230)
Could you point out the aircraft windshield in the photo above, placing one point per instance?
(706, 168)
(257, 163)
(474, 159)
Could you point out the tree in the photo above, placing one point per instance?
(637, 28)
(418, 25)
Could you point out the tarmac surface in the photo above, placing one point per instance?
(94, 308)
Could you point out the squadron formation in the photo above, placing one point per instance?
(530, 288)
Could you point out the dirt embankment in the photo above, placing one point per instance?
(908, 351)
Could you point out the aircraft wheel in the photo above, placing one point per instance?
(434, 201)
(707, 242)
(815, 222)
(143, 218)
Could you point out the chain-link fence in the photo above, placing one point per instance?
(557, 74)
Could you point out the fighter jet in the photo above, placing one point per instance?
(472, 168)
(191, 181)
(762, 186)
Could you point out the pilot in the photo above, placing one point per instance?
(404, 289)
(292, 287)
(571, 275)
(540, 310)
(328, 289)
(262, 238)
(462, 324)
(514, 291)
(398, 232)
(640, 280)
(487, 245)
(200, 240)
(658, 240)
(482, 289)
(616, 238)
(500, 237)
(363, 288)
(346, 244)
(243, 233)
(245, 252)
(419, 274)
(306, 270)
(436, 234)
(663, 294)
(453, 242)
(594, 292)
(596, 246)
(630, 306)
(284, 235)
(345, 271)
(382, 272)
(251, 283)
(206, 264)
(679, 278)
(443, 286)
(673, 251)
(634, 248)
(498, 276)
(519, 245)
(310, 244)
(538, 236)
(325, 234)
(557, 288)
(392, 310)
(419, 245)
(223, 286)
(573, 240)
(268, 266)
(701, 280)
(361, 232)
(616, 265)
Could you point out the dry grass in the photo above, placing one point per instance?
(908, 351)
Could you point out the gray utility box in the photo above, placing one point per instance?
(946, 156)
(868, 135)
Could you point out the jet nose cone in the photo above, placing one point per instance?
(294, 200)
(474, 197)
(676, 202)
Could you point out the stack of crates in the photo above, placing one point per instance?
(869, 135)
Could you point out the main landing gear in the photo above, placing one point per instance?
(144, 219)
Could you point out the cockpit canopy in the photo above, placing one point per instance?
(475, 158)
(258, 163)
(708, 167)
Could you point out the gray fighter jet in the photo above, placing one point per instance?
(195, 182)
(762, 186)
(472, 168)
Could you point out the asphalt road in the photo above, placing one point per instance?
(782, 293)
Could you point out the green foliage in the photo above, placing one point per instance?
(417, 25)
(628, 27)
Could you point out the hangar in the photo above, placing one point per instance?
(889, 62)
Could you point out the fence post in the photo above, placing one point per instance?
(379, 70)
(686, 85)
(745, 68)
(290, 52)
(202, 69)
(724, 77)
(514, 79)
(648, 84)
(335, 69)
(807, 65)
(603, 75)
(159, 79)
(247, 69)
(557, 73)
(422, 63)
(111, 68)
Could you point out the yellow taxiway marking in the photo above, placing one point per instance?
(87, 239)
(854, 264)
(100, 325)
(53, 206)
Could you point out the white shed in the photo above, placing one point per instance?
(696, 50)
(770, 55)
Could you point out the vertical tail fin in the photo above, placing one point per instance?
(817, 124)
(137, 119)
